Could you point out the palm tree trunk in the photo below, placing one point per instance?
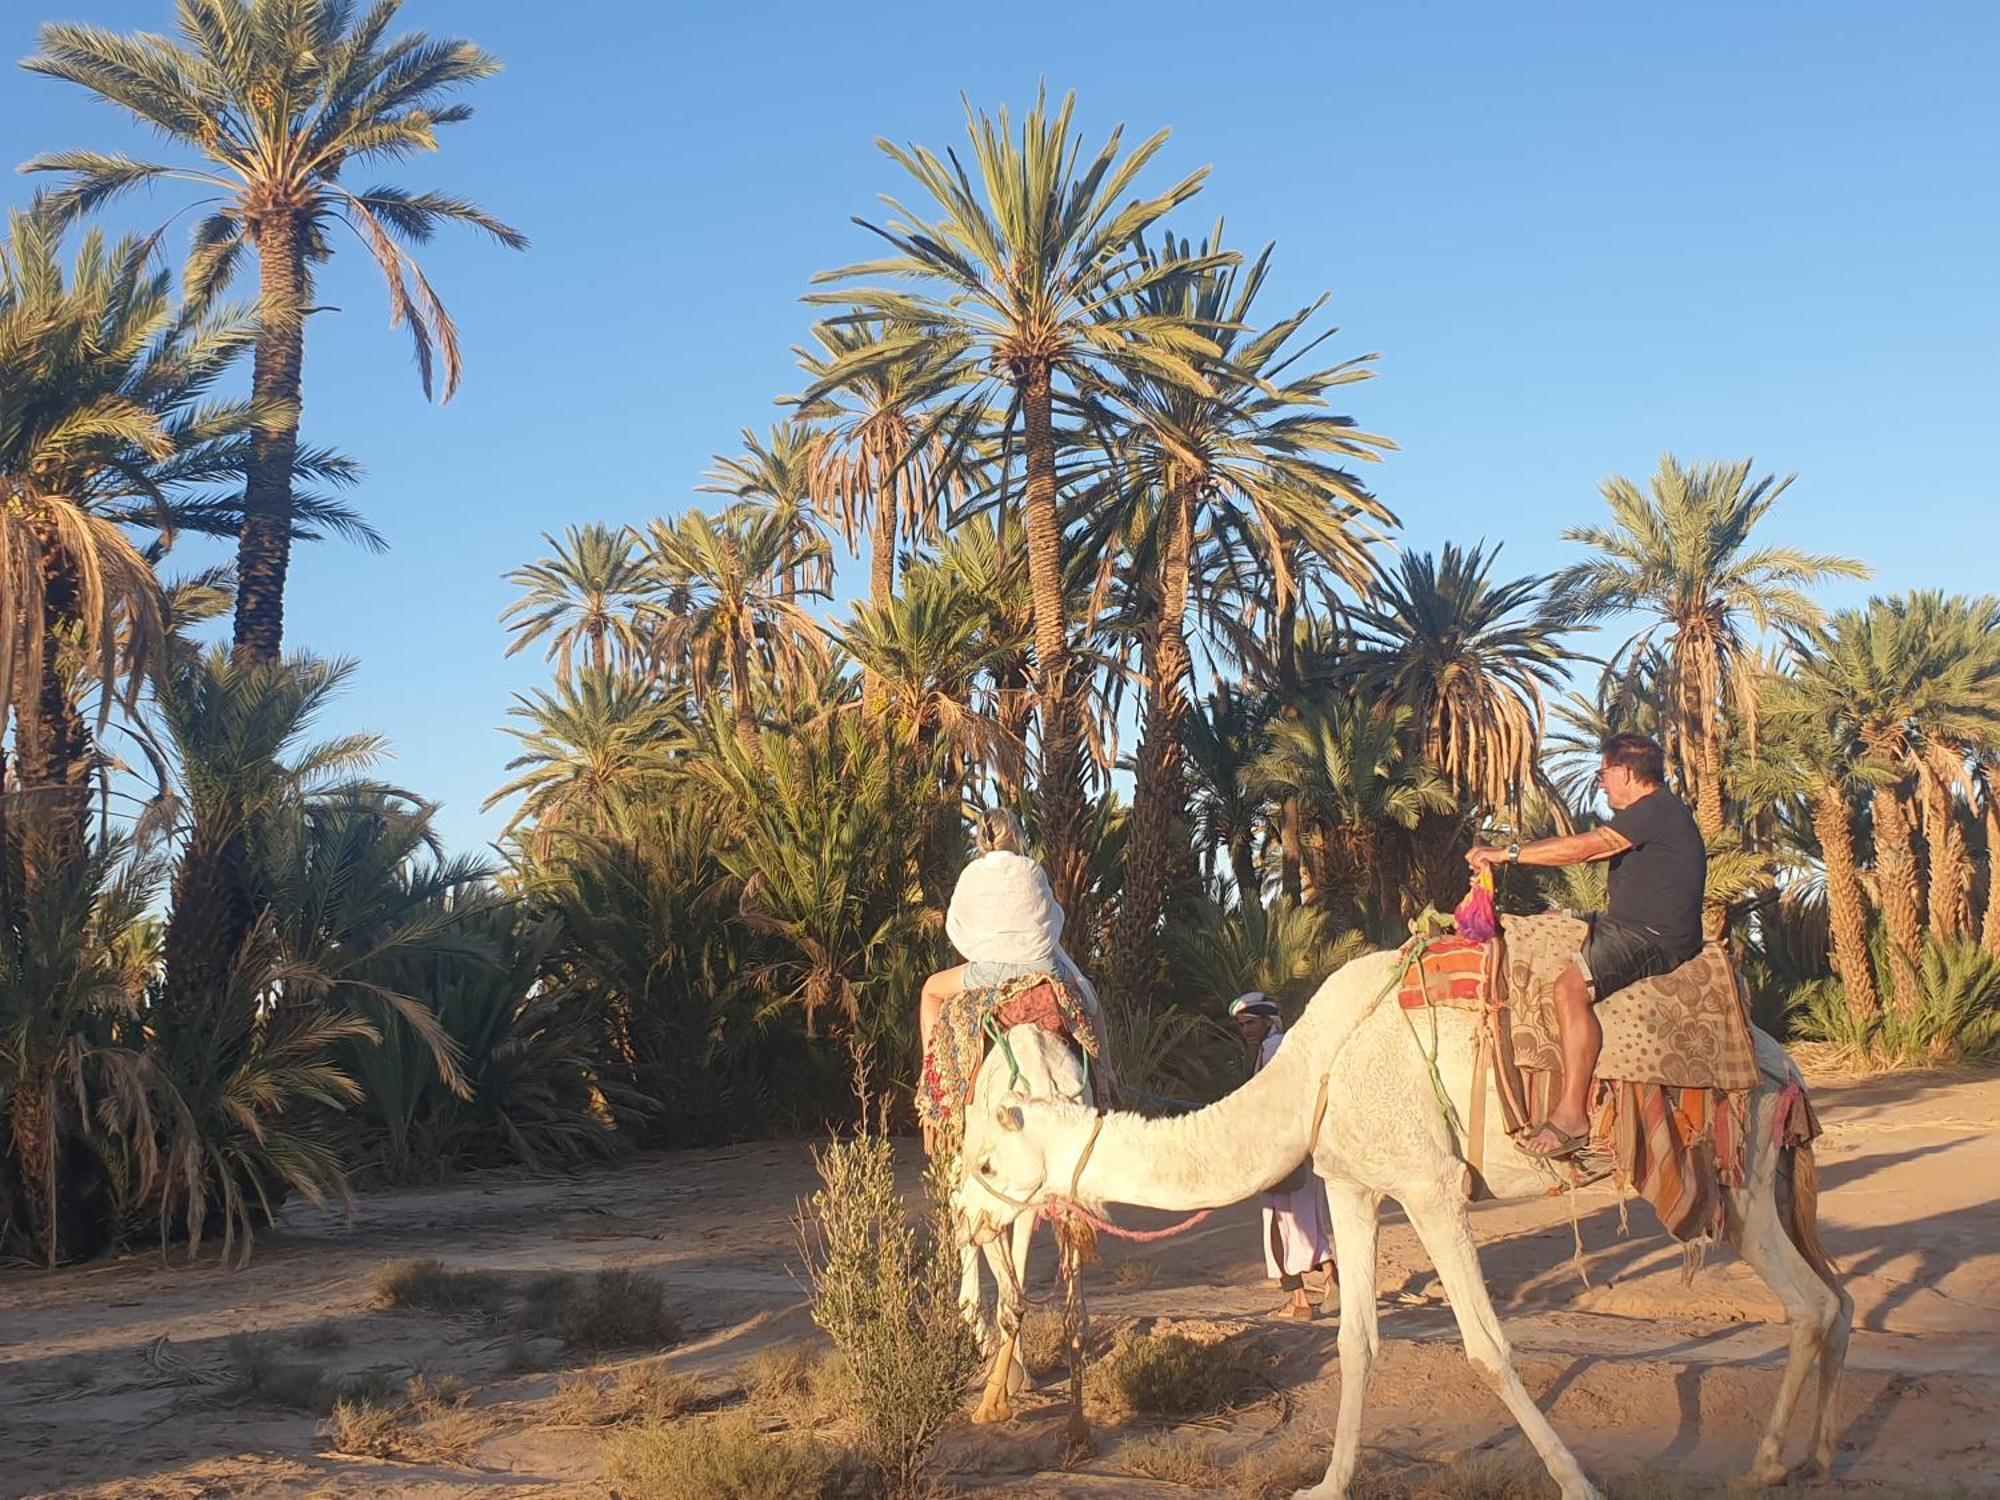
(1061, 784)
(1951, 869)
(264, 549)
(31, 1121)
(1709, 815)
(1291, 878)
(52, 745)
(881, 582)
(1847, 908)
(739, 699)
(212, 914)
(1900, 892)
(1989, 935)
(1158, 788)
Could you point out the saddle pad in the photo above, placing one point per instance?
(1455, 972)
(1689, 1028)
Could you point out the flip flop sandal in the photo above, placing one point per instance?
(1566, 1145)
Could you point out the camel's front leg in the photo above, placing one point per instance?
(971, 1301)
(1008, 1258)
(1356, 1212)
(1438, 1215)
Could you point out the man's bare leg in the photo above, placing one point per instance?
(1582, 1040)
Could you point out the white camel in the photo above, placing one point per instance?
(1048, 1069)
(1383, 1133)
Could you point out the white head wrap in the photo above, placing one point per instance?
(1002, 911)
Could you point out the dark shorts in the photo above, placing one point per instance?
(1615, 955)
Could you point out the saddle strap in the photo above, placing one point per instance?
(1475, 1128)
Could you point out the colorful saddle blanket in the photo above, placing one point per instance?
(1674, 1077)
(972, 1019)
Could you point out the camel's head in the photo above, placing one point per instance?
(1017, 1153)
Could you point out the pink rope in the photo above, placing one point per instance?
(1063, 1208)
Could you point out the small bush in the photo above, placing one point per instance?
(435, 1395)
(1283, 1469)
(617, 1309)
(648, 1393)
(1175, 1460)
(365, 1429)
(259, 1374)
(1171, 1375)
(326, 1334)
(808, 1387)
(725, 1459)
(1134, 1274)
(886, 1293)
(431, 1286)
(1042, 1346)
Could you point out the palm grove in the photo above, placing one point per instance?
(1125, 576)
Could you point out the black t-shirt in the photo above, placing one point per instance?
(1656, 884)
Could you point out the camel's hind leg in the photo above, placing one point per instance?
(1817, 1313)
(1008, 1258)
(1438, 1216)
(1355, 1213)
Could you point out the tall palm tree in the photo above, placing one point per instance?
(1259, 442)
(278, 101)
(1811, 754)
(105, 409)
(1471, 658)
(728, 599)
(1019, 273)
(1887, 680)
(1963, 637)
(587, 595)
(1680, 554)
(879, 461)
(1221, 738)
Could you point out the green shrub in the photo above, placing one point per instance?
(1171, 1375)
(725, 1459)
(431, 1286)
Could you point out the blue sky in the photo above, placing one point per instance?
(1577, 235)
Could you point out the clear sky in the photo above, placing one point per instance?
(1577, 235)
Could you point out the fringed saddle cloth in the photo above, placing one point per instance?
(1674, 1078)
(971, 1018)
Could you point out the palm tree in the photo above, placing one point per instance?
(987, 557)
(879, 463)
(728, 599)
(586, 595)
(1679, 554)
(278, 101)
(596, 745)
(1355, 776)
(1470, 657)
(1811, 754)
(235, 730)
(1221, 738)
(1886, 680)
(104, 411)
(1964, 644)
(1258, 442)
(1020, 277)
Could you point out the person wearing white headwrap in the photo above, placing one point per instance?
(1296, 1231)
(1004, 920)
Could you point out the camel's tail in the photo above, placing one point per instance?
(1802, 1221)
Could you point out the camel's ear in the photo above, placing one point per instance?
(1008, 1117)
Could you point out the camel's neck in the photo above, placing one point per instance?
(1222, 1154)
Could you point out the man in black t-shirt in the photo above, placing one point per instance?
(1658, 867)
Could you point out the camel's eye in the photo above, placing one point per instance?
(986, 1167)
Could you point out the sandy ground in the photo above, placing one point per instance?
(1637, 1372)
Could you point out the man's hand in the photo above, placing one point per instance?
(1484, 857)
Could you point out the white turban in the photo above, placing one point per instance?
(1002, 911)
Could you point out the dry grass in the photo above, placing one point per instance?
(1172, 1375)
(432, 1286)
(1042, 1347)
(649, 1393)
(258, 1373)
(435, 1425)
(805, 1386)
(1175, 1460)
(1135, 1273)
(364, 1429)
(725, 1459)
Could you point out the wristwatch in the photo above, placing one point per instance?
(1513, 854)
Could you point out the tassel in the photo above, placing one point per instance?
(1475, 917)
